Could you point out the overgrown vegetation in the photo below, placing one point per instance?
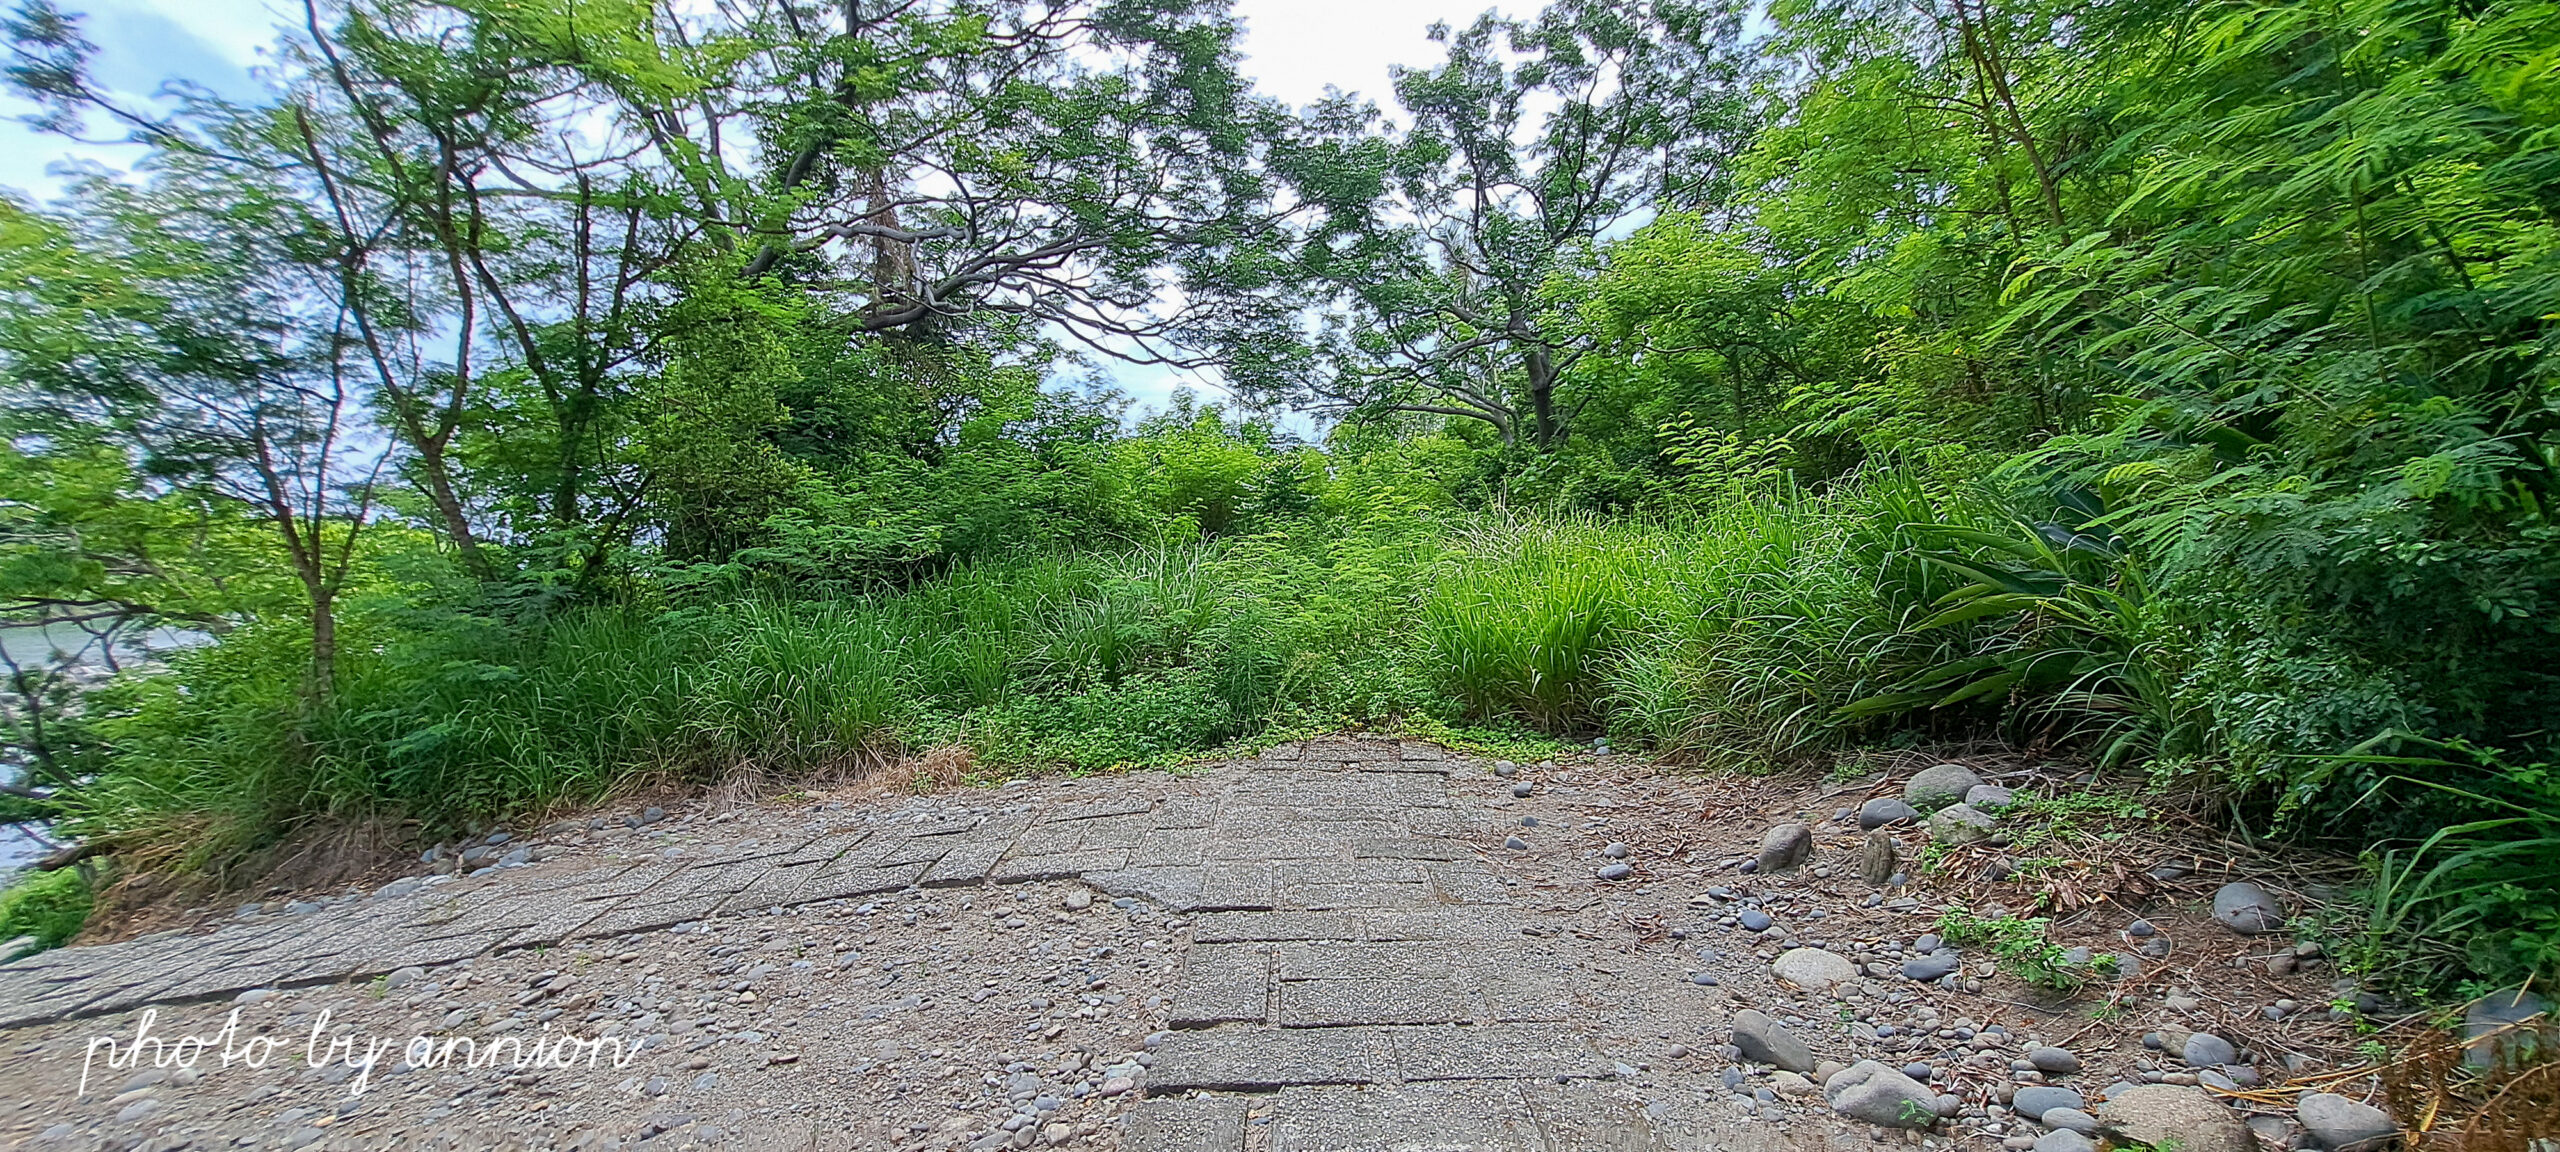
(2168, 381)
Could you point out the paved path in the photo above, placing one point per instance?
(1360, 971)
(1357, 977)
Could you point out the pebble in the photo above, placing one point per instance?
(2490, 1028)
(1764, 1040)
(1931, 967)
(1936, 787)
(2247, 909)
(2055, 1061)
(2032, 1102)
(1870, 1092)
(2070, 1119)
(1515, 843)
(2063, 1140)
(1885, 810)
(1618, 871)
(2204, 1049)
(1523, 789)
(1960, 825)
(1615, 851)
(1785, 846)
(1753, 919)
(1813, 969)
(1989, 797)
(2343, 1123)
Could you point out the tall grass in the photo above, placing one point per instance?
(1745, 626)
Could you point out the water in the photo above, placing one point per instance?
(34, 648)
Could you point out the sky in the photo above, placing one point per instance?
(1294, 50)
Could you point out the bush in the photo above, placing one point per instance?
(49, 906)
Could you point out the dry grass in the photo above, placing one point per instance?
(145, 894)
(2513, 1107)
(942, 768)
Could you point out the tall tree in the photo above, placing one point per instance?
(1530, 143)
(515, 194)
(179, 325)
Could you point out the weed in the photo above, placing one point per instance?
(2021, 948)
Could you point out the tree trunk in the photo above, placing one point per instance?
(438, 473)
(1545, 427)
(324, 648)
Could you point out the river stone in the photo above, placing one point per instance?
(2494, 1030)
(2054, 1061)
(2343, 1124)
(1932, 966)
(1878, 858)
(1961, 825)
(1937, 787)
(1753, 920)
(2204, 1050)
(2070, 1120)
(2247, 909)
(1989, 797)
(1786, 846)
(2064, 1140)
(2154, 1114)
(1814, 969)
(1763, 1040)
(2035, 1100)
(1871, 1092)
(1885, 810)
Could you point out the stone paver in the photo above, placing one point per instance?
(1358, 978)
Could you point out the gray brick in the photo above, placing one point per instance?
(1247, 1059)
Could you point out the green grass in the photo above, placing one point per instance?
(1762, 629)
(1744, 627)
(2022, 949)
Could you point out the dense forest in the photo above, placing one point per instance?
(528, 398)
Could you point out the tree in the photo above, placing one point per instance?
(178, 325)
(516, 196)
(1440, 242)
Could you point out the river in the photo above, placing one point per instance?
(21, 844)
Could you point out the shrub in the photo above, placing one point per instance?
(49, 906)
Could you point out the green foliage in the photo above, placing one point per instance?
(2165, 380)
(2022, 948)
(50, 906)
(2480, 891)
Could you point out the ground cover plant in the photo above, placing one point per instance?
(2165, 384)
